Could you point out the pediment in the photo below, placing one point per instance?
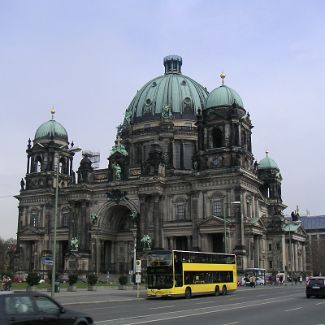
(208, 222)
(30, 231)
(257, 222)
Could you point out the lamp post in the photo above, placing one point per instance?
(56, 218)
(54, 235)
(290, 254)
(134, 232)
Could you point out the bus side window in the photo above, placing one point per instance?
(178, 280)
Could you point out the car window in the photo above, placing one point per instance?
(46, 305)
(316, 281)
(18, 305)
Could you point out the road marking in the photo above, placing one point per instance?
(204, 302)
(103, 307)
(199, 311)
(231, 323)
(320, 303)
(162, 307)
(293, 309)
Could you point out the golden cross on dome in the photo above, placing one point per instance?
(52, 112)
(223, 76)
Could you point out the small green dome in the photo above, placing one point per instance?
(51, 129)
(223, 96)
(268, 163)
(181, 95)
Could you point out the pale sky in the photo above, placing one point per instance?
(88, 59)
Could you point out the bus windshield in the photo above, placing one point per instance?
(160, 270)
(159, 259)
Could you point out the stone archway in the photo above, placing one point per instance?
(116, 239)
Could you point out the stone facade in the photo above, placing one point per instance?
(188, 179)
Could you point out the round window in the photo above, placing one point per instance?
(187, 100)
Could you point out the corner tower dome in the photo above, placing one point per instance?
(268, 163)
(223, 96)
(51, 130)
(173, 92)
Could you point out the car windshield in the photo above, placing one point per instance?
(316, 282)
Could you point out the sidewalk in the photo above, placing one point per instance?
(102, 294)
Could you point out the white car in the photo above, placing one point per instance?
(259, 281)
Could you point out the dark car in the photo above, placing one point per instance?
(36, 308)
(315, 286)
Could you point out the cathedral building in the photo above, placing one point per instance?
(181, 175)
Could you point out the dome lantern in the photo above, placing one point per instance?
(172, 64)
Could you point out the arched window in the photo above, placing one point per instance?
(180, 208)
(38, 164)
(65, 218)
(34, 219)
(217, 207)
(62, 166)
(188, 151)
(244, 139)
(217, 138)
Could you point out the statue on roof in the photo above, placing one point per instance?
(22, 184)
(146, 241)
(74, 243)
(117, 171)
(93, 218)
(127, 118)
(166, 112)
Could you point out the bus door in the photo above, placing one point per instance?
(178, 269)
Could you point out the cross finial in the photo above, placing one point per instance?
(118, 140)
(52, 112)
(223, 76)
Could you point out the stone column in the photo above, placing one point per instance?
(143, 211)
(189, 243)
(157, 221)
(194, 216)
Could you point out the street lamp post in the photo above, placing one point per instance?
(134, 233)
(56, 218)
(54, 235)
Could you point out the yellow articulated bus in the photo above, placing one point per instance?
(186, 273)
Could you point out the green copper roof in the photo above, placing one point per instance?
(268, 163)
(119, 148)
(172, 92)
(291, 227)
(51, 129)
(223, 96)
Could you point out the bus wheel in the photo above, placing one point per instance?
(188, 293)
(224, 290)
(217, 291)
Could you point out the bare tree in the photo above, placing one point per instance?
(7, 251)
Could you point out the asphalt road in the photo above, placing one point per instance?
(260, 306)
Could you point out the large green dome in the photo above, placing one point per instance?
(180, 94)
(268, 163)
(50, 130)
(223, 96)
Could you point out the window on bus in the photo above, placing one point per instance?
(178, 267)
